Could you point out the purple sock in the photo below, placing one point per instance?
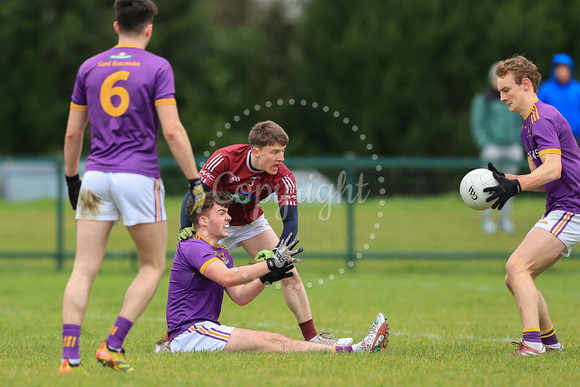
(549, 336)
(119, 332)
(532, 335)
(70, 342)
(343, 348)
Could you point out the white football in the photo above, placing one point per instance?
(472, 185)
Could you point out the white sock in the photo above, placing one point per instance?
(536, 346)
(315, 339)
(358, 347)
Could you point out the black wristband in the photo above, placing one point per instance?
(72, 179)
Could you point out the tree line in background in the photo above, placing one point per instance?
(392, 77)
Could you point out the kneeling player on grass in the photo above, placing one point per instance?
(202, 269)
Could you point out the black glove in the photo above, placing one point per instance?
(494, 169)
(196, 189)
(502, 192)
(74, 187)
(277, 274)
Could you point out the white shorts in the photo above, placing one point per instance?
(239, 234)
(107, 196)
(202, 336)
(565, 226)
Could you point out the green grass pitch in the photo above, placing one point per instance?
(451, 323)
(451, 320)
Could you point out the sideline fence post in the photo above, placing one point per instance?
(350, 229)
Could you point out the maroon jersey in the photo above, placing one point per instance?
(229, 169)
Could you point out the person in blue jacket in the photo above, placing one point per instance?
(562, 90)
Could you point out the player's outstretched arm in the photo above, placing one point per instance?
(289, 215)
(228, 277)
(244, 283)
(244, 294)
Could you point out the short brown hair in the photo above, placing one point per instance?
(134, 15)
(520, 67)
(267, 133)
(211, 199)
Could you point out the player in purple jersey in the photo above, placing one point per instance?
(249, 173)
(554, 160)
(203, 269)
(124, 93)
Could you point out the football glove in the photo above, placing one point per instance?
(196, 189)
(73, 184)
(494, 169)
(502, 192)
(277, 274)
(284, 254)
(184, 233)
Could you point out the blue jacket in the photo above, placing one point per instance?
(565, 98)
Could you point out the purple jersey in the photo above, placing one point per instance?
(119, 89)
(546, 131)
(192, 296)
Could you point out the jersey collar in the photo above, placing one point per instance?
(210, 242)
(249, 164)
(532, 108)
(127, 46)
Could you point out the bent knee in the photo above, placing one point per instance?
(514, 266)
(154, 267)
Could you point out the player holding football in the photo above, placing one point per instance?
(125, 93)
(202, 269)
(249, 173)
(554, 160)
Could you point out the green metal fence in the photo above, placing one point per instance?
(350, 207)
